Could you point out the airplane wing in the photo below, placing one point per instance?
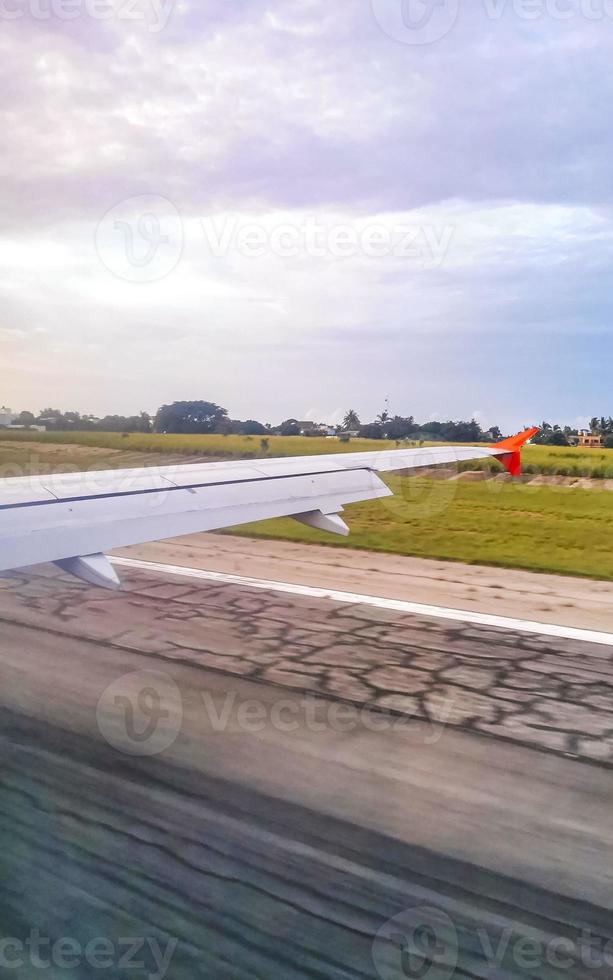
(74, 519)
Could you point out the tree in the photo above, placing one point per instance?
(371, 431)
(144, 422)
(52, 418)
(558, 438)
(399, 427)
(551, 435)
(289, 428)
(123, 423)
(189, 417)
(225, 427)
(351, 420)
(431, 430)
(252, 428)
(112, 423)
(462, 431)
(26, 418)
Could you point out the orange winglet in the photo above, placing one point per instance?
(510, 450)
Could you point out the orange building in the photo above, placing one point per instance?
(590, 440)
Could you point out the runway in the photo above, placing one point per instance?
(546, 692)
(562, 600)
(316, 769)
(378, 602)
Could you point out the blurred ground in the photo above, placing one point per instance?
(254, 785)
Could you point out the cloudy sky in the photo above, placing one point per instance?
(292, 207)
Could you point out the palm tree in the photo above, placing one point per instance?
(351, 420)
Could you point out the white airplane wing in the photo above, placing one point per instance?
(74, 519)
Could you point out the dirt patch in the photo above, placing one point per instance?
(472, 476)
(51, 449)
(18, 459)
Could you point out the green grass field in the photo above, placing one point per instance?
(550, 460)
(557, 529)
(552, 529)
(237, 447)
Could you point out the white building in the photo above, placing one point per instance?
(7, 417)
(7, 421)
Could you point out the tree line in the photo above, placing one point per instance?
(557, 435)
(201, 417)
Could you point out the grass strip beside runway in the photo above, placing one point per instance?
(548, 529)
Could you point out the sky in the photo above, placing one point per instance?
(295, 208)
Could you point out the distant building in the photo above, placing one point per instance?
(7, 421)
(590, 440)
(316, 429)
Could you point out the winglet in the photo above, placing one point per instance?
(509, 450)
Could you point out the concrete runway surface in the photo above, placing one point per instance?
(255, 785)
(575, 602)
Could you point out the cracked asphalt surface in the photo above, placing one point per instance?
(545, 692)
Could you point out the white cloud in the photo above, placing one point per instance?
(280, 114)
